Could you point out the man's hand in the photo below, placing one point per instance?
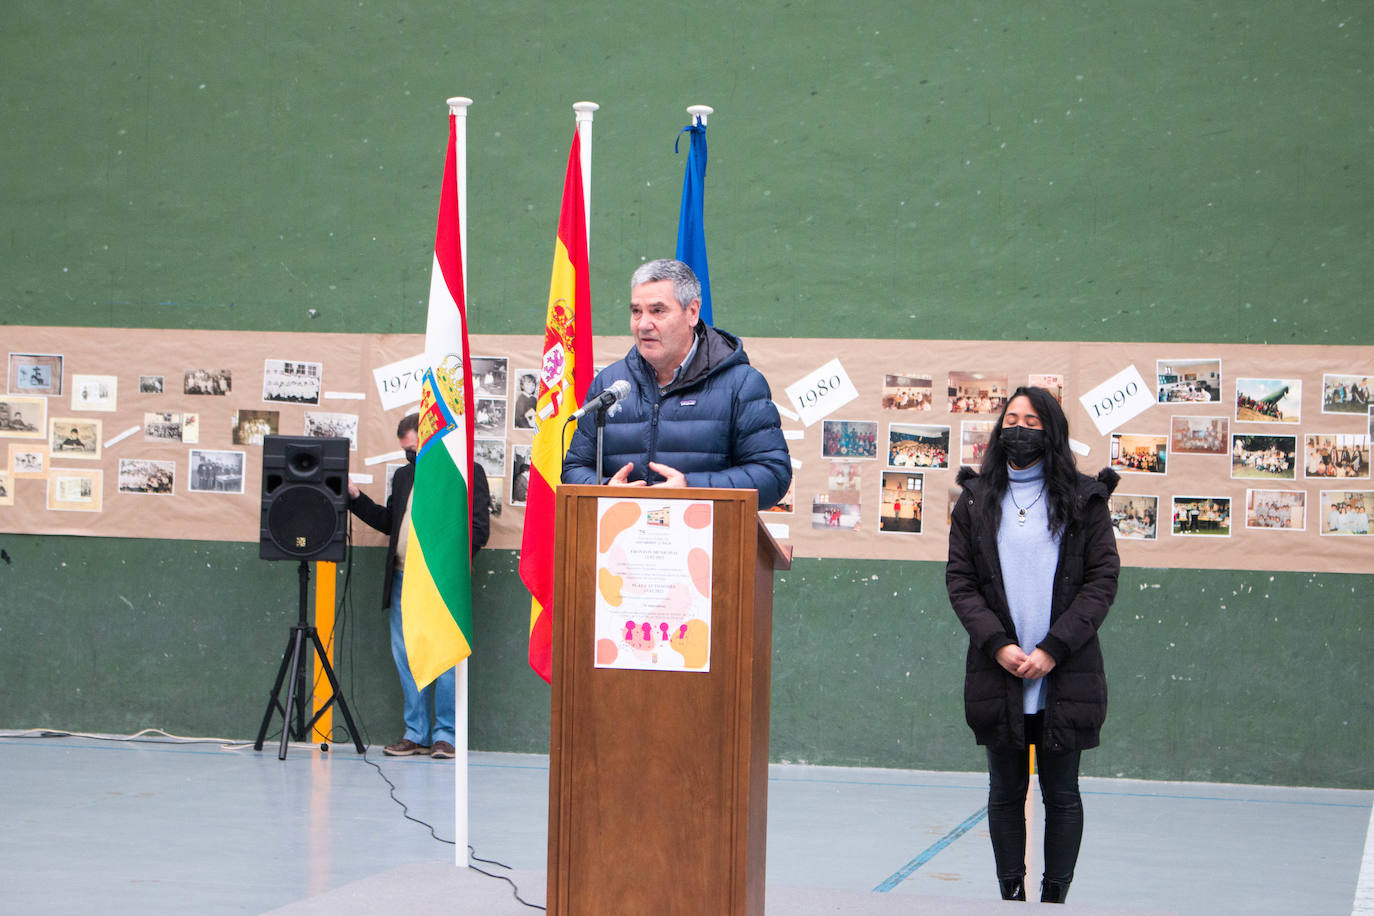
(621, 478)
(353, 491)
(672, 477)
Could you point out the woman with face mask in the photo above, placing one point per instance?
(1032, 572)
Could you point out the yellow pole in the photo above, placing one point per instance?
(1030, 819)
(324, 625)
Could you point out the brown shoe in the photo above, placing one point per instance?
(442, 751)
(406, 748)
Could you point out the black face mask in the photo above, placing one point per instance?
(1024, 446)
(410, 455)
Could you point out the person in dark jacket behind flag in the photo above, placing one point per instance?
(1032, 573)
(393, 519)
(698, 414)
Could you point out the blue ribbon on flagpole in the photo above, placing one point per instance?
(691, 226)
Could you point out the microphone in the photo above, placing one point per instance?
(618, 391)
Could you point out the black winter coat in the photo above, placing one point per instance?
(1085, 582)
(716, 423)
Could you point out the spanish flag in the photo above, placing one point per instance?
(565, 372)
(436, 593)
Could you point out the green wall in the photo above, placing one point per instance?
(994, 170)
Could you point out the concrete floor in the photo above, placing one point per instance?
(151, 826)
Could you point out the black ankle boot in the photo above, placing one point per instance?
(1053, 891)
(1013, 888)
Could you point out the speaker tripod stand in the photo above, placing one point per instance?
(298, 646)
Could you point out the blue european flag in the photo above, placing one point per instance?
(691, 227)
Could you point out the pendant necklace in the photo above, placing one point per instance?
(1021, 511)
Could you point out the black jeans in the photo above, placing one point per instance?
(1008, 780)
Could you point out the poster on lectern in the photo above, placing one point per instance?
(653, 584)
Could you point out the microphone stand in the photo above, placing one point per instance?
(600, 434)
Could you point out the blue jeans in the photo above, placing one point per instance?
(415, 702)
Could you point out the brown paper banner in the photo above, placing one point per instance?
(842, 507)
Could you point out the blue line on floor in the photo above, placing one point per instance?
(906, 870)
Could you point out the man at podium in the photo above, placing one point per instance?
(697, 414)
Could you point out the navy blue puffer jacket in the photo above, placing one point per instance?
(716, 423)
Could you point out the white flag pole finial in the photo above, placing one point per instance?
(458, 107)
(583, 112)
(700, 112)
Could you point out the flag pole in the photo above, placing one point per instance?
(691, 221)
(583, 114)
(458, 107)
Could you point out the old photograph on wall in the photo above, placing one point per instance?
(99, 393)
(291, 381)
(74, 437)
(973, 440)
(1135, 516)
(151, 384)
(849, 439)
(323, 425)
(35, 374)
(787, 505)
(213, 471)
(1345, 394)
(519, 474)
(28, 460)
(1139, 453)
(162, 426)
(1050, 381)
(489, 419)
(1188, 381)
(23, 418)
(845, 477)
(250, 426)
(1199, 435)
(524, 415)
(833, 516)
(71, 490)
(147, 475)
(977, 392)
(1264, 457)
(489, 377)
(1345, 512)
(1327, 455)
(215, 382)
(908, 392)
(901, 502)
(1202, 516)
(491, 455)
(6, 488)
(1282, 510)
(391, 468)
(912, 446)
(1268, 400)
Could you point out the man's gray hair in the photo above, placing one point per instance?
(686, 286)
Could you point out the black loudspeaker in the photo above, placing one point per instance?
(304, 498)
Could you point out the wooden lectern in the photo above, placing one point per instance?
(658, 780)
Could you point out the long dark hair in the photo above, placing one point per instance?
(1061, 473)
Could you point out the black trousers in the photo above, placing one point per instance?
(1008, 781)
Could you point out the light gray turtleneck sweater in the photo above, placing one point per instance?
(1029, 554)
